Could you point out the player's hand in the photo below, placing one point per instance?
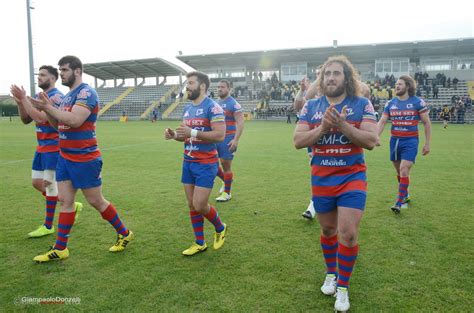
(377, 143)
(169, 134)
(18, 93)
(336, 118)
(42, 103)
(183, 131)
(426, 149)
(233, 145)
(327, 121)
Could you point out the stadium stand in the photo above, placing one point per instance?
(266, 82)
(139, 99)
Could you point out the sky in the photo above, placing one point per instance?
(115, 30)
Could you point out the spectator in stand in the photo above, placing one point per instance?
(449, 82)
(428, 90)
(455, 83)
(460, 110)
(418, 92)
(435, 92)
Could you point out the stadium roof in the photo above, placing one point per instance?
(133, 68)
(367, 53)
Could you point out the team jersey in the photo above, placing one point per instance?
(80, 144)
(230, 107)
(201, 117)
(47, 135)
(337, 165)
(405, 115)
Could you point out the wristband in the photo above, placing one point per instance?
(194, 133)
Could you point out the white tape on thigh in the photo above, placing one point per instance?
(37, 174)
(52, 188)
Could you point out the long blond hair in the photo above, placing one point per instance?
(351, 77)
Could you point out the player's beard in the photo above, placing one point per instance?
(334, 93)
(401, 92)
(194, 94)
(70, 81)
(223, 95)
(44, 85)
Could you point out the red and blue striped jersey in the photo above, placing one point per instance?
(405, 115)
(230, 106)
(47, 135)
(337, 165)
(201, 117)
(80, 144)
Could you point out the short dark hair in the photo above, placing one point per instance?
(226, 82)
(410, 83)
(201, 78)
(51, 70)
(73, 62)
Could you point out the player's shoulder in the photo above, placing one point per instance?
(358, 100)
(85, 91)
(231, 100)
(212, 106)
(56, 96)
(314, 102)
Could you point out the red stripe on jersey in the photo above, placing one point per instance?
(317, 170)
(197, 122)
(365, 120)
(201, 154)
(85, 126)
(354, 123)
(336, 150)
(404, 123)
(230, 123)
(333, 191)
(45, 136)
(43, 149)
(78, 144)
(397, 133)
(80, 157)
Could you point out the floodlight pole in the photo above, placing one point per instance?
(30, 49)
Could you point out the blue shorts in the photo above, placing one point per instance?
(403, 149)
(201, 175)
(45, 161)
(351, 199)
(83, 175)
(223, 149)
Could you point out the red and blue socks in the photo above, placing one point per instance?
(346, 258)
(402, 189)
(220, 173)
(65, 222)
(51, 203)
(213, 217)
(197, 220)
(228, 181)
(329, 246)
(110, 215)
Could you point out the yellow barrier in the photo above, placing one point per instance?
(470, 89)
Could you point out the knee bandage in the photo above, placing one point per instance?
(52, 187)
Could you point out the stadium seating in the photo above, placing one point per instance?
(136, 102)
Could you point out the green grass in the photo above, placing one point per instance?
(418, 261)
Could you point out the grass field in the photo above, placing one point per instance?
(421, 260)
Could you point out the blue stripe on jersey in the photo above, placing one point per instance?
(88, 134)
(79, 150)
(327, 181)
(335, 161)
